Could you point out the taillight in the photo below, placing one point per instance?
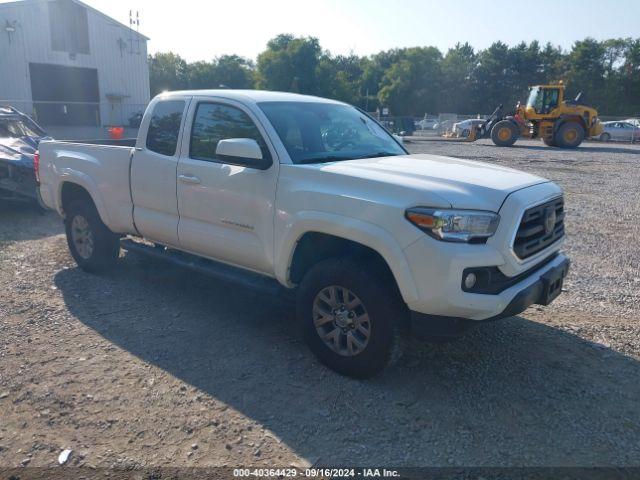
(36, 165)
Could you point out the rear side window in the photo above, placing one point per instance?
(164, 127)
(214, 122)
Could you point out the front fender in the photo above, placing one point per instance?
(349, 228)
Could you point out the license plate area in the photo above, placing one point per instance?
(552, 282)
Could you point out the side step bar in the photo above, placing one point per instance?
(211, 268)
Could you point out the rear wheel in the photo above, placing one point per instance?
(569, 135)
(549, 142)
(504, 133)
(93, 246)
(349, 316)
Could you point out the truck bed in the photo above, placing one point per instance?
(103, 169)
(123, 142)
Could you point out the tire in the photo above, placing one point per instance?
(504, 133)
(605, 137)
(93, 246)
(549, 142)
(569, 135)
(370, 298)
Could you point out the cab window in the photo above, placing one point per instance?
(550, 100)
(164, 127)
(214, 122)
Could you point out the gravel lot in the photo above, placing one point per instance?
(151, 365)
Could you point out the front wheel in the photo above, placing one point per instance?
(93, 246)
(504, 133)
(349, 316)
(605, 137)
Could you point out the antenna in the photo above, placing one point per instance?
(130, 31)
(138, 29)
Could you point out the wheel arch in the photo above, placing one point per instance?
(313, 247)
(570, 118)
(319, 237)
(72, 189)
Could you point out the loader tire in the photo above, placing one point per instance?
(504, 133)
(569, 135)
(549, 142)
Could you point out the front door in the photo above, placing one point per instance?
(153, 172)
(226, 207)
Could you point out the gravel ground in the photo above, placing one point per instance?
(151, 365)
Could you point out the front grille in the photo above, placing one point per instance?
(533, 235)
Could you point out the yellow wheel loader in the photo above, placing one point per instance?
(547, 115)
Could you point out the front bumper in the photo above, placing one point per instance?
(542, 291)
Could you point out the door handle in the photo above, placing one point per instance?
(189, 179)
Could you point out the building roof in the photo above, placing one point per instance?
(88, 7)
(254, 96)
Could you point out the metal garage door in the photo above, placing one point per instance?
(65, 95)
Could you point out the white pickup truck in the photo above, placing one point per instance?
(315, 197)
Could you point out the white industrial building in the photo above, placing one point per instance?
(68, 64)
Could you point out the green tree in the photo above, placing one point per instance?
(339, 78)
(456, 89)
(289, 64)
(492, 83)
(410, 86)
(167, 71)
(630, 79)
(227, 71)
(373, 71)
(553, 64)
(414, 81)
(587, 72)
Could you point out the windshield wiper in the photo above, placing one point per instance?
(336, 158)
(381, 154)
(329, 158)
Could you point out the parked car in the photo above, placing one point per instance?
(463, 128)
(314, 198)
(427, 124)
(444, 126)
(19, 139)
(621, 131)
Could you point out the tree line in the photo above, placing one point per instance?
(418, 80)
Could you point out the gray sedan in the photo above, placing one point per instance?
(623, 131)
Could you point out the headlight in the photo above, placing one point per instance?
(454, 225)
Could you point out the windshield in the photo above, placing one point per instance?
(543, 100)
(321, 132)
(11, 128)
(535, 99)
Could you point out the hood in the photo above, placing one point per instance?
(462, 184)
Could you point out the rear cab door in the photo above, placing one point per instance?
(153, 169)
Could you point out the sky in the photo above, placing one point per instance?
(202, 30)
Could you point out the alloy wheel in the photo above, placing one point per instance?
(341, 320)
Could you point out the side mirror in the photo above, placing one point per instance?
(242, 151)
